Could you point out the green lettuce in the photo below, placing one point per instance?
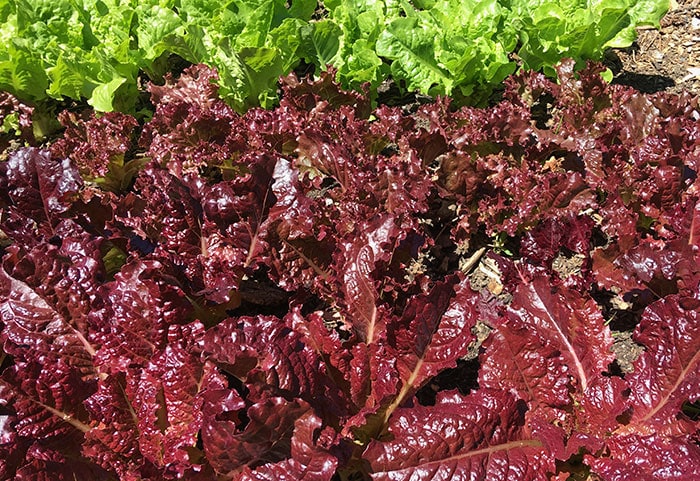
(458, 45)
(250, 42)
(49, 48)
(101, 50)
(465, 48)
(96, 49)
(582, 30)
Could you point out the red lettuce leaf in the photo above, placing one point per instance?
(164, 212)
(46, 294)
(551, 349)
(373, 393)
(649, 457)
(147, 416)
(602, 408)
(94, 143)
(435, 331)
(479, 436)
(357, 260)
(39, 188)
(662, 268)
(46, 424)
(308, 460)
(42, 463)
(321, 93)
(192, 127)
(214, 233)
(569, 322)
(47, 403)
(168, 406)
(667, 374)
(113, 440)
(294, 359)
(236, 435)
(272, 354)
(300, 247)
(347, 364)
(518, 358)
(149, 376)
(130, 322)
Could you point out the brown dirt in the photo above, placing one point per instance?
(666, 59)
(626, 351)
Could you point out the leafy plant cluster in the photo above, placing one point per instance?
(465, 48)
(296, 293)
(97, 49)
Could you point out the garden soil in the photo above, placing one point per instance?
(665, 59)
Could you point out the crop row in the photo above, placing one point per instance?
(98, 49)
(296, 293)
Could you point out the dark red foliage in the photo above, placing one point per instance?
(478, 436)
(192, 127)
(298, 293)
(36, 190)
(94, 143)
(15, 121)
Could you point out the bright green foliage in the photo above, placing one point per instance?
(51, 48)
(462, 47)
(96, 49)
(550, 31)
(439, 47)
(250, 42)
(454, 44)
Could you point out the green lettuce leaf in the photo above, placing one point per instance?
(95, 50)
(579, 29)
